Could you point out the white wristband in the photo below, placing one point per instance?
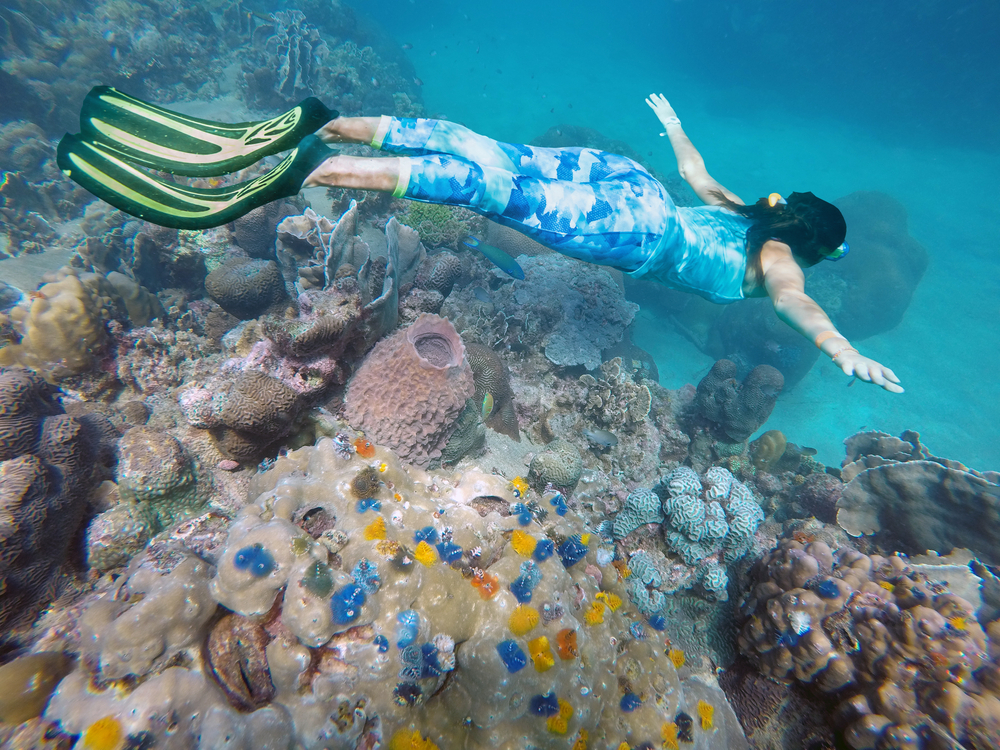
(669, 121)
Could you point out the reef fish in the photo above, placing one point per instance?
(496, 256)
(487, 406)
(481, 294)
(602, 438)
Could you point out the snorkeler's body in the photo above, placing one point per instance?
(588, 204)
(700, 250)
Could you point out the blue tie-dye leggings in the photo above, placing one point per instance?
(587, 204)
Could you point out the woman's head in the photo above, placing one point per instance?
(812, 227)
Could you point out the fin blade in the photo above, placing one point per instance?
(114, 180)
(161, 139)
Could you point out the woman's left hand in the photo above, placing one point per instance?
(868, 370)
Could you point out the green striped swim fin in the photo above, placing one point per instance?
(167, 141)
(111, 178)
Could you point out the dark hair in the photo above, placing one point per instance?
(809, 225)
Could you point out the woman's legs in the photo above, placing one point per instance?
(585, 203)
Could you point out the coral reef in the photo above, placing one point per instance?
(905, 657)
(737, 410)
(411, 388)
(558, 464)
(491, 376)
(246, 415)
(294, 54)
(245, 287)
(45, 471)
(570, 310)
(158, 485)
(750, 334)
(414, 621)
(615, 400)
(707, 521)
(913, 501)
(61, 329)
(438, 225)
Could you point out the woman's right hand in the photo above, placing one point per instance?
(662, 109)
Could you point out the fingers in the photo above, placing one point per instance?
(893, 388)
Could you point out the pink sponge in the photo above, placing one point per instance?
(409, 391)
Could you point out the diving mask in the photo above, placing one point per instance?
(841, 250)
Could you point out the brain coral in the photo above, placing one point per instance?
(246, 414)
(738, 409)
(246, 288)
(908, 662)
(491, 375)
(411, 388)
(559, 464)
(42, 490)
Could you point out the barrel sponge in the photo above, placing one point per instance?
(411, 388)
(246, 288)
(559, 464)
(61, 328)
(903, 655)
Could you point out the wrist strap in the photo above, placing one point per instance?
(825, 336)
(671, 121)
(843, 349)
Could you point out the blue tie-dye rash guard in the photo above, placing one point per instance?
(584, 203)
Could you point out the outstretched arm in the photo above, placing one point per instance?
(689, 162)
(785, 285)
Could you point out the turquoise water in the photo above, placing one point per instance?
(777, 96)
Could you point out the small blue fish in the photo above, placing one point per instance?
(496, 256)
(481, 294)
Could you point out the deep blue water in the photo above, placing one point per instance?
(828, 97)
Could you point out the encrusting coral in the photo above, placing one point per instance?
(411, 388)
(908, 662)
(912, 501)
(414, 634)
